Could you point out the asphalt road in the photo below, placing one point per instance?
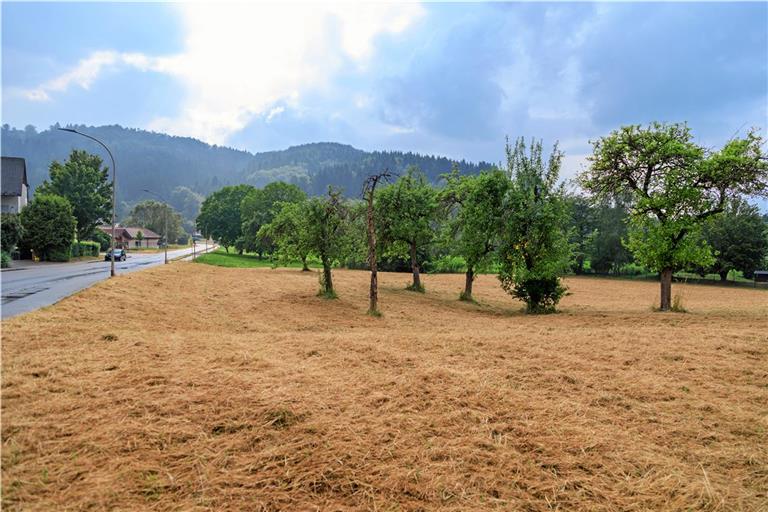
(37, 285)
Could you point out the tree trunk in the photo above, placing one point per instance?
(415, 269)
(226, 248)
(469, 278)
(373, 302)
(723, 275)
(327, 278)
(373, 295)
(666, 289)
(304, 267)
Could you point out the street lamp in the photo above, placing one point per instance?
(114, 192)
(166, 219)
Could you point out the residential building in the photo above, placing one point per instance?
(129, 238)
(14, 186)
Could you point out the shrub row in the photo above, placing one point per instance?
(86, 248)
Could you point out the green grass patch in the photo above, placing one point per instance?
(221, 258)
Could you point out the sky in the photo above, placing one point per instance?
(452, 79)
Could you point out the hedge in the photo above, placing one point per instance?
(86, 248)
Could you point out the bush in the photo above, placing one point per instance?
(446, 265)
(86, 248)
(102, 239)
(49, 226)
(183, 239)
(5, 259)
(534, 249)
(540, 295)
(58, 255)
(10, 231)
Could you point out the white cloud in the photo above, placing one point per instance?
(89, 69)
(240, 59)
(275, 112)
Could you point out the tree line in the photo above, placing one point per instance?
(651, 197)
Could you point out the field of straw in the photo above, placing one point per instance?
(239, 389)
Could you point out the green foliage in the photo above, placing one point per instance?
(11, 231)
(220, 215)
(739, 238)
(85, 248)
(675, 186)
(221, 258)
(406, 210)
(534, 249)
(259, 207)
(446, 264)
(406, 216)
(328, 234)
(657, 245)
(607, 250)
(289, 232)
(186, 201)
(86, 185)
(49, 226)
(5, 259)
(153, 215)
(478, 202)
(58, 255)
(582, 226)
(101, 238)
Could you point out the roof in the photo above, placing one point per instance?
(14, 175)
(130, 232)
(147, 233)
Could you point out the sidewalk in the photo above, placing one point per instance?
(25, 264)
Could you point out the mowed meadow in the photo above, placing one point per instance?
(240, 389)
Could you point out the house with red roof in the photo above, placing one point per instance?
(132, 237)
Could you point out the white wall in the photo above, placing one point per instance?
(13, 204)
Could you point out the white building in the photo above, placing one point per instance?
(13, 184)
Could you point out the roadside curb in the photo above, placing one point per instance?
(189, 256)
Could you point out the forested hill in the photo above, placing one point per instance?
(160, 162)
(316, 166)
(145, 160)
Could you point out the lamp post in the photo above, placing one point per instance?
(114, 192)
(166, 219)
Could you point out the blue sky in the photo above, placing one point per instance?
(450, 79)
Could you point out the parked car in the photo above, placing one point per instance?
(120, 255)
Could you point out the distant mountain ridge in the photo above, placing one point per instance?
(317, 165)
(161, 162)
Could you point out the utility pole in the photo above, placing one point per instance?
(114, 193)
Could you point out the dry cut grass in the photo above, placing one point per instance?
(239, 389)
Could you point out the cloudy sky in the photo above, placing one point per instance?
(451, 79)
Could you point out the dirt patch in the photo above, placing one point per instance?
(240, 389)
